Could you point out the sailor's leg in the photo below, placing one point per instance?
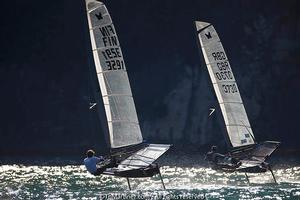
(272, 174)
(162, 181)
(99, 171)
(235, 174)
(247, 178)
(128, 183)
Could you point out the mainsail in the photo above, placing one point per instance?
(225, 86)
(123, 124)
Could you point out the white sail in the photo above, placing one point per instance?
(123, 124)
(225, 86)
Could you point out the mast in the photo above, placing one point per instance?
(235, 117)
(121, 116)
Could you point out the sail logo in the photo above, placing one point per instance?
(208, 35)
(99, 16)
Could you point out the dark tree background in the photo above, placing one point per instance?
(45, 85)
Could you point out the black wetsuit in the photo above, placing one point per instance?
(214, 157)
(101, 169)
(221, 161)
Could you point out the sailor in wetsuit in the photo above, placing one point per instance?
(213, 157)
(91, 162)
(221, 160)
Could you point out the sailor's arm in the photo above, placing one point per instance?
(99, 159)
(205, 157)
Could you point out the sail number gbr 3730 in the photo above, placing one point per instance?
(224, 72)
(111, 50)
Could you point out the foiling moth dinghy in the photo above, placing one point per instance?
(134, 158)
(239, 136)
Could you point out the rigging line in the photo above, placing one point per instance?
(91, 89)
(133, 165)
(257, 159)
(145, 156)
(138, 165)
(134, 158)
(123, 153)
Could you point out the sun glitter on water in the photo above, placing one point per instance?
(73, 182)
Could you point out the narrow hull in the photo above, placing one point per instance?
(252, 158)
(149, 171)
(254, 169)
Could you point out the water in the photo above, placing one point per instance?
(196, 182)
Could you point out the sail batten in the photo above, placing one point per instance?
(127, 121)
(123, 124)
(113, 95)
(225, 86)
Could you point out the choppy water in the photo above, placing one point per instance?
(73, 182)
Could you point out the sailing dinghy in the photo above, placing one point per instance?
(134, 157)
(239, 136)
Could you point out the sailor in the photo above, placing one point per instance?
(91, 162)
(213, 157)
(231, 160)
(219, 159)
